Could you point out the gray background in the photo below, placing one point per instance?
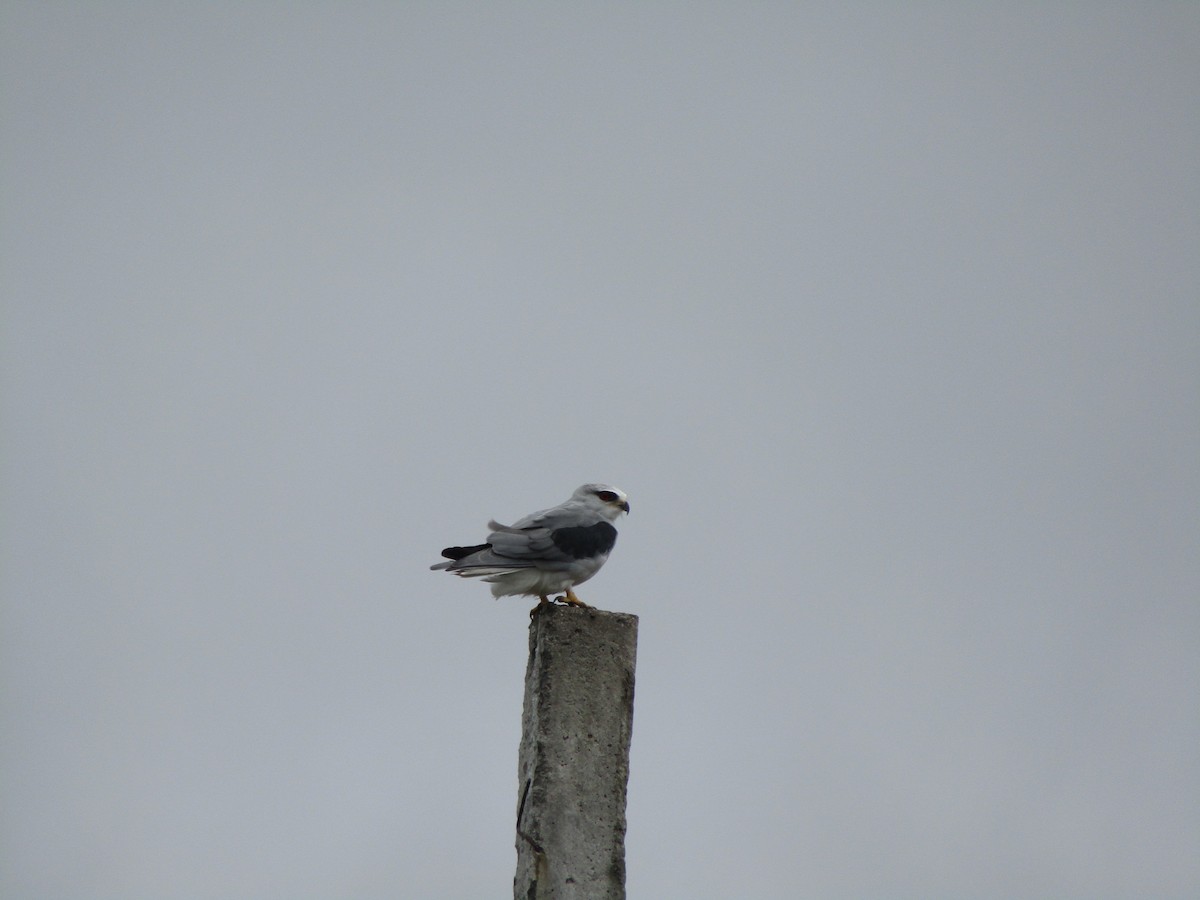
(885, 315)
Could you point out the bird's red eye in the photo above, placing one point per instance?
(606, 496)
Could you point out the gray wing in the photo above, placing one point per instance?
(529, 545)
(552, 539)
(508, 548)
(555, 542)
(564, 515)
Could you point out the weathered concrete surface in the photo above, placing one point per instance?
(574, 757)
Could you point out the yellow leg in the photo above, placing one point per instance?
(572, 600)
(543, 601)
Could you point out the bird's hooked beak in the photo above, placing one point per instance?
(625, 506)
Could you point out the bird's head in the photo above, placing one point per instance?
(607, 500)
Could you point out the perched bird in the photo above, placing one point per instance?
(548, 551)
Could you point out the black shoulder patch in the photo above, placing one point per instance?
(460, 552)
(582, 542)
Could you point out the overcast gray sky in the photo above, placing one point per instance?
(886, 316)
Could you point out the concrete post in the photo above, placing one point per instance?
(574, 759)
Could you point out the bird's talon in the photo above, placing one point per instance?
(571, 600)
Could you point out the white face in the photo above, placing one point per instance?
(608, 500)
